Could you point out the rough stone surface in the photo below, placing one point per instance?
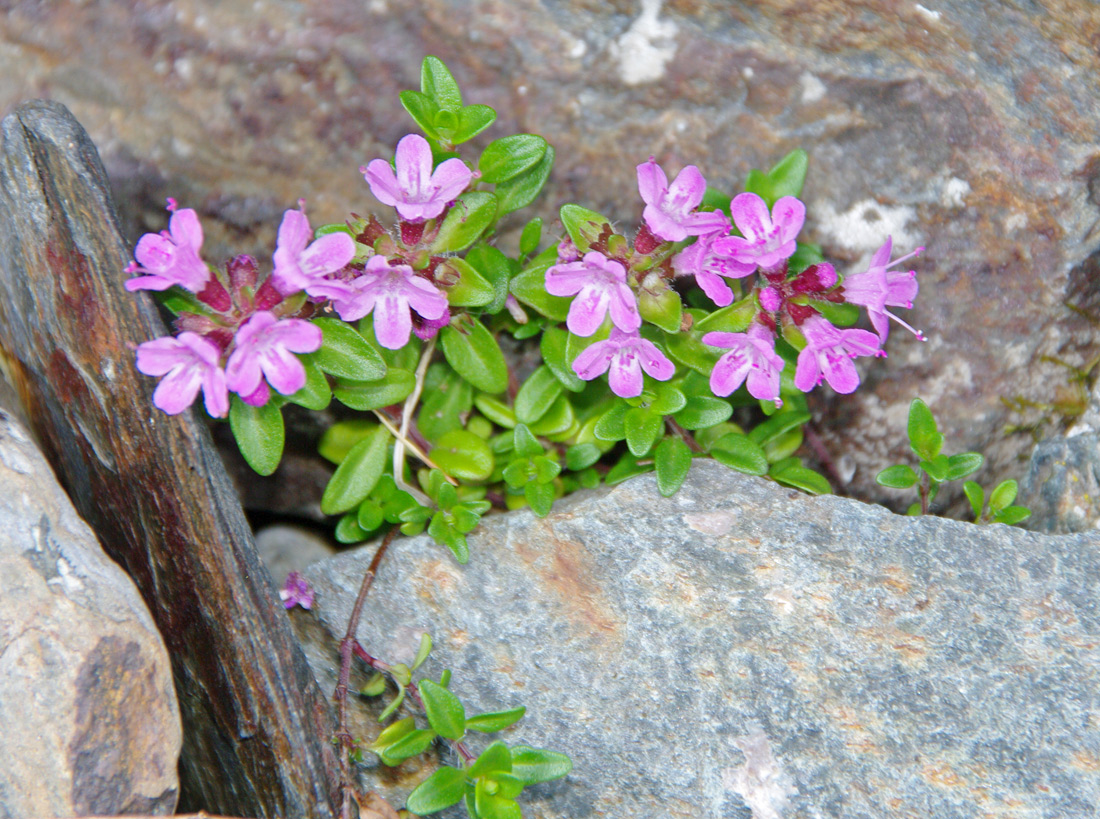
(744, 650)
(286, 549)
(256, 727)
(966, 126)
(91, 724)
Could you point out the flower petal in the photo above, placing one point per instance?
(383, 182)
(594, 360)
(625, 375)
(750, 214)
(652, 182)
(587, 311)
(392, 322)
(449, 180)
(413, 159)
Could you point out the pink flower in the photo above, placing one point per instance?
(751, 355)
(188, 363)
(670, 210)
(415, 190)
(767, 238)
(264, 347)
(703, 261)
(828, 354)
(300, 263)
(880, 286)
(624, 356)
(599, 284)
(296, 592)
(391, 291)
(171, 257)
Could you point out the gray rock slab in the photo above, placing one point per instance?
(285, 549)
(968, 126)
(743, 650)
(91, 723)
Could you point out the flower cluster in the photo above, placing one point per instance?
(680, 239)
(242, 335)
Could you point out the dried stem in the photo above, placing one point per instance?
(403, 433)
(340, 695)
(684, 435)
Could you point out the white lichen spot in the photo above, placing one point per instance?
(747, 72)
(928, 14)
(813, 89)
(1015, 221)
(761, 782)
(783, 599)
(378, 7)
(954, 192)
(66, 577)
(866, 224)
(577, 50)
(710, 523)
(646, 47)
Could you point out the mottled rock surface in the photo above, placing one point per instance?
(91, 723)
(744, 650)
(966, 126)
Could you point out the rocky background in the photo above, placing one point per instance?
(965, 126)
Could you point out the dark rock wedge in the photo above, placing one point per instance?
(742, 650)
(256, 726)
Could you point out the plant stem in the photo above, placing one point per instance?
(403, 434)
(684, 435)
(924, 486)
(340, 695)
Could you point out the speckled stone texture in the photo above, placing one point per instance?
(742, 650)
(90, 721)
(967, 126)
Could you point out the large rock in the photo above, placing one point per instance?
(966, 126)
(91, 724)
(745, 649)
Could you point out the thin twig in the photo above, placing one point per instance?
(683, 435)
(416, 450)
(340, 695)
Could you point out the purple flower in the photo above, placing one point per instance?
(751, 355)
(828, 354)
(600, 286)
(171, 257)
(623, 357)
(767, 238)
(264, 347)
(391, 291)
(296, 592)
(415, 190)
(670, 209)
(703, 261)
(188, 363)
(299, 262)
(880, 286)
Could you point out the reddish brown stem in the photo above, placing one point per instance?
(684, 435)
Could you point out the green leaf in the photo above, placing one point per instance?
(539, 391)
(315, 394)
(612, 426)
(391, 733)
(924, 438)
(534, 765)
(1012, 515)
(395, 387)
(702, 411)
(777, 425)
(475, 354)
(375, 685)
(437, 83)
(783, 446)
(529, 286)
(552, 346)
(1003, 496)
(581, 456)
(490, 805)
(976, 495)
(741, 453)
(688, 348)
(664, 309)
(444, 405)
(369, 515)
(520, 191)
(936, 468)
(510, 156)
(839, 315)
(963, 464)
(897, 477)
(259, 433)
(540, 497)
(346, 354)
(495, 410)
(805, 254)
(530, 237)
(801, 477)
(672, 460)
(348, 530)
(466, 220)
(526, 444)
(732, 319)
(463, 455)
(441, 531)
(584, 226)
(627, 467)
(495, 758)
(472, 120)
(413, 743)
(445, 787)
(497, 269)
(422, 109)
(357, 474)
(784, 179)
(559, 420)
(495, 720)
(642, 430)
(471, 289)
(443, 709)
